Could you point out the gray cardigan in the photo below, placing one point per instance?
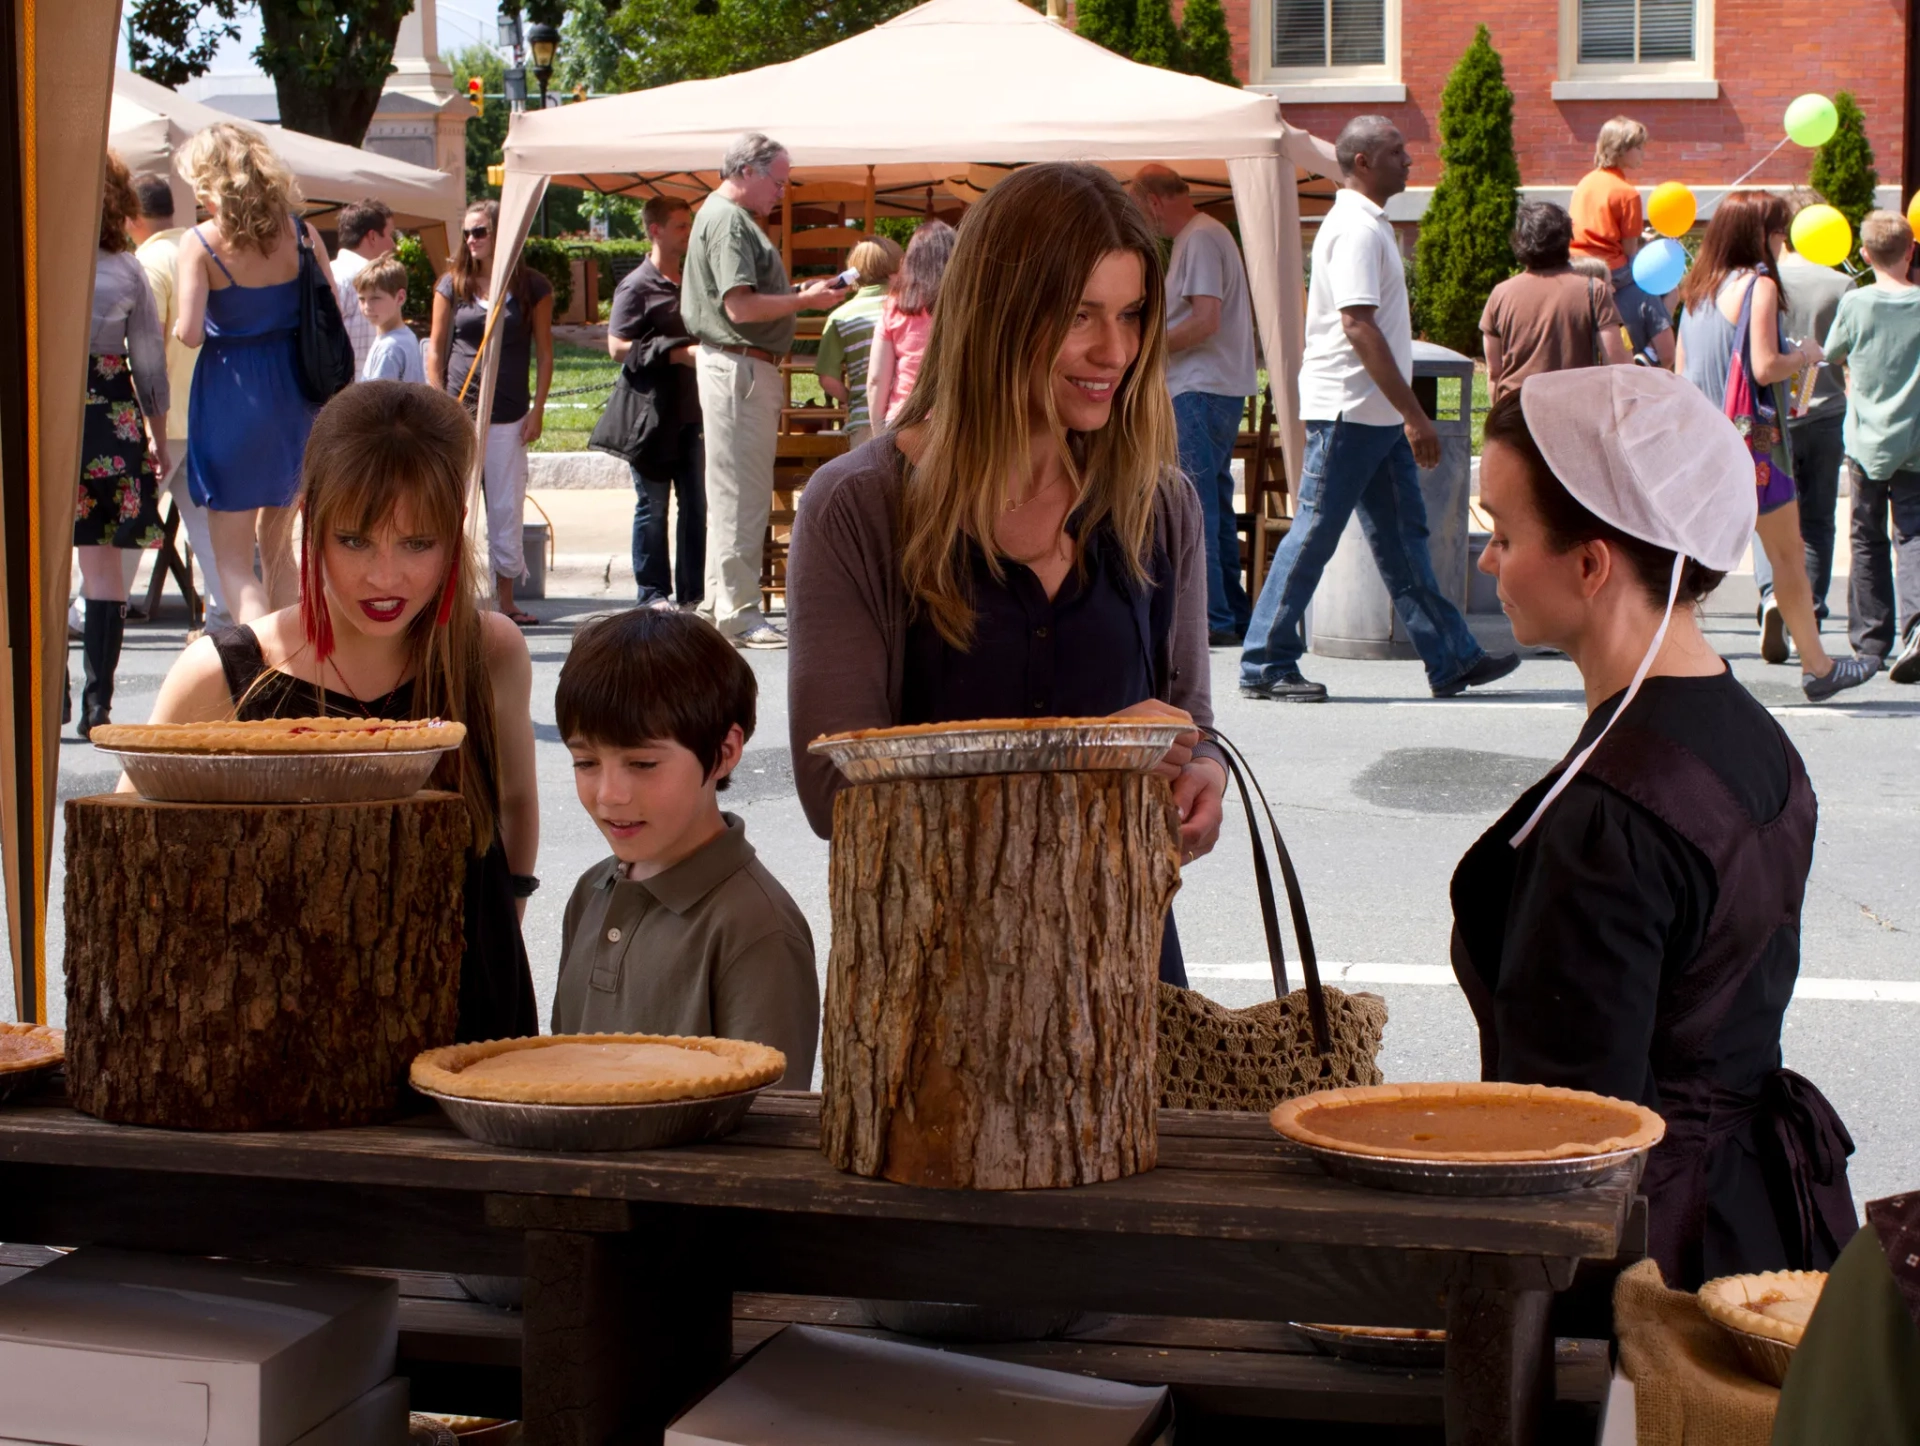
(847, 612)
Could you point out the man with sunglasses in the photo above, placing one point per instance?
(737, 302)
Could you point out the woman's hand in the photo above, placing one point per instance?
(1199, 793)
(531, 426)
(162, 456)
(1181, 754)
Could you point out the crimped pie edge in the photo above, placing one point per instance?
(55, 1041)
(1716, 1299)
(285, 736)
(1286, 1121)
(742, 1065)
(986, 725)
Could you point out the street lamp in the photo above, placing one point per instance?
(543, 43)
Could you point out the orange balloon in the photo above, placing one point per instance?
(1913, 212)
(1671, 209)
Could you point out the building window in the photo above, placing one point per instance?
(1642, 34)
(1342, 35)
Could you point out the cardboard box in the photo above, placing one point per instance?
(111, 1348)
(378, 1418)
(811, 1387)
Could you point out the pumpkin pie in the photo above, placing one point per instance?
(284, 735)
(1777, 1304)
(597, 1069)
(27, 1047)
(1474, 1123)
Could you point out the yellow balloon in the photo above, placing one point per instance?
(1822, 235)
(1913, 211)
(1671, 209)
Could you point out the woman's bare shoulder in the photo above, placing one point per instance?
(502, 642)
(195, 688)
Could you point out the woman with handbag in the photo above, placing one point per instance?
(1021, 544)
(249, 414)
(1733, 348)
(1631, 926)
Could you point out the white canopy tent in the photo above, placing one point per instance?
(972, 86)
(149, 123)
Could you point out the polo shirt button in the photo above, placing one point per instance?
(613, 936)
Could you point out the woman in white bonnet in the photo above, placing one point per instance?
(1632, 925)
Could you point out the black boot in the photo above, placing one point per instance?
(100, 650)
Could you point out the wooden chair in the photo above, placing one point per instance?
(798, 456)
(1269, 505)
(177, 562)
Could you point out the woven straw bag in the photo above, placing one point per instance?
(1210, 1057)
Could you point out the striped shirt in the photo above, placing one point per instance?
(846, 344)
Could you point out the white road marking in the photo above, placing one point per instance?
(1875, 991)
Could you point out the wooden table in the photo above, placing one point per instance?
(631, 1260)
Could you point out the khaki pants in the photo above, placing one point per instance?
(740, 398)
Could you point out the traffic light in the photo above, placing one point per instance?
(496, 175)
(477, 96)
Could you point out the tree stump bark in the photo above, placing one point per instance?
(235, 967)
(991, 989)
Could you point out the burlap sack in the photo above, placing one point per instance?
(1688, 1385)
(1210, 1057)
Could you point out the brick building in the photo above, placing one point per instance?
(1711, 79)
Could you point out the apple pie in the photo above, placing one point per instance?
(1777, 1304)
(1480, 1122)
(284, 735)
(597, 1069)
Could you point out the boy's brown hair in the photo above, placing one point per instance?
(1886, 237)
(645, 675)
(385, 274)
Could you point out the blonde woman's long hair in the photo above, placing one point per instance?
(1026, 251)
(376, 448)
(244, 184)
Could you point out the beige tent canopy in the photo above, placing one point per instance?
(149, 123)
(943, 96)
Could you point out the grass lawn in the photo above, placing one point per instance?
(570, 418)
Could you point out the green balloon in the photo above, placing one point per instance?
(1811, 121)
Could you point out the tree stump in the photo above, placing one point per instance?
(245, 967)
(992, 984)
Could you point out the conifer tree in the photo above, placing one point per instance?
(1843, 170)
(1203, 31)
(1156, 39)
(1464, 249)
(1106, 22)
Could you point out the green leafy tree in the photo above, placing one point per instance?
(1106, 22)
(486, 132)
(1208, 46)
(589, 55)
(664, 41)
(1156, 39)
(1843, 170)
(1464, 250)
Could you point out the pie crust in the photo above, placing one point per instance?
(25, 1047)
(597, 1069)
(1776, 1304)
(1481, 1122)
(984, 725)
(285, 735)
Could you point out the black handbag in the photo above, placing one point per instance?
(325, 352)
(629, 424)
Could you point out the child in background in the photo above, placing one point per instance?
(395, 354)
(906, 322)
(846, 341)
(683, 930)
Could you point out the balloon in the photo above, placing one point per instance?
(1670, 209)
(1913, 212)
(1822, 235)
(1659, 266)
(1812, 120)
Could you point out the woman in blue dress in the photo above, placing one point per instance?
(247, 420)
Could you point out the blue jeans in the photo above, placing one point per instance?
(687, 480)
(1816, 477)
(1349, 466)
(1208, 427)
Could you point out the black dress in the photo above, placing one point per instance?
(1099, 644)
(496, 984)
(1643, 943)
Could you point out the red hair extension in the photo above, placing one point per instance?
(315, 618)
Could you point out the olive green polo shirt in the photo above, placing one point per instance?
(725, 250)
(712, 946)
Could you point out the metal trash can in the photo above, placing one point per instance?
(1352, 615)
(534, 540)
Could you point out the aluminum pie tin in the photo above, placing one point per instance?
(1765, 1359)
(1125, 745)
(379, 777)
(652, 1126)
(1472, 1177)
(1368, 1348)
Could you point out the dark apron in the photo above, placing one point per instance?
(1760, 872)
(1897, 1222)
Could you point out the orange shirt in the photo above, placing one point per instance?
(1605, 210)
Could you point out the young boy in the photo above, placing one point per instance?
(683, 930)
(395, 354)
(1876, 333)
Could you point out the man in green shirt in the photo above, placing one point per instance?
(735, 299)
(1876, 334)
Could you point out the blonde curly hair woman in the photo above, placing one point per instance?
(247, 420)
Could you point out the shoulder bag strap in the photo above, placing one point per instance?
(1242, 774)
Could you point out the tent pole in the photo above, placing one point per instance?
(873, 206)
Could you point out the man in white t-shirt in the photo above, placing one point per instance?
(365, 230)
(1211, 372)
(1367, 438)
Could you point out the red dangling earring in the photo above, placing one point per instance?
(316, 621)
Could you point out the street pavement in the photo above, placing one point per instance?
(1378, 794)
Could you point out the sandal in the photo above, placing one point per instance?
(520, 618)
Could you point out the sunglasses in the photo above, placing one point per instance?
(474, 231)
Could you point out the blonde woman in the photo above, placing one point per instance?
(1021, 544)
(1606, 210)
(247, 420)
(387, 627)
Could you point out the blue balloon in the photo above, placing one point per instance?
(1659, 266)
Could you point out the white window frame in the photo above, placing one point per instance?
(1330, 84)
(1646, 80)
